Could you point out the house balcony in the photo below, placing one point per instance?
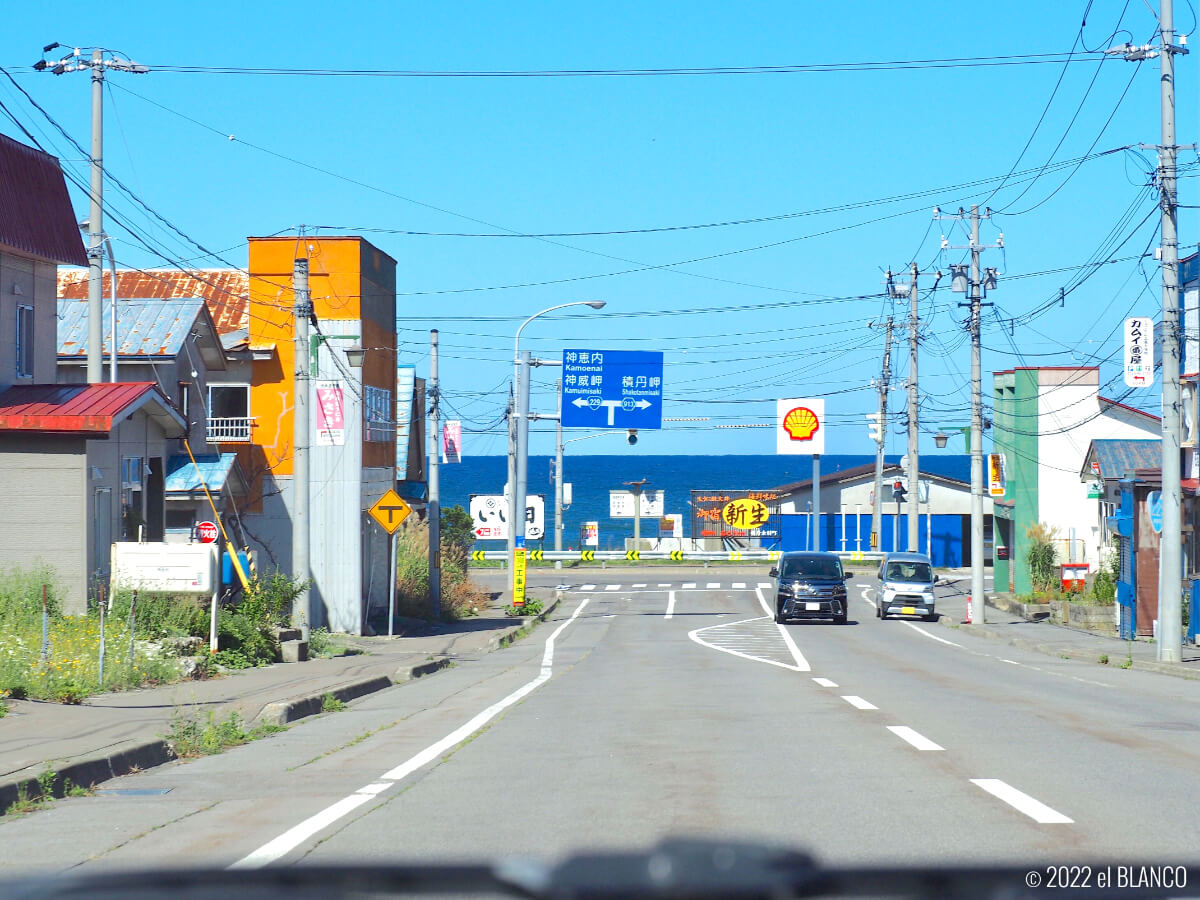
(231, 430)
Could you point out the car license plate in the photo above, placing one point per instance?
(908, 610)
(812, 607)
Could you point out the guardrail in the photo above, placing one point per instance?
(673, 555)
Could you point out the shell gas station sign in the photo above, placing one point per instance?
(800, 427)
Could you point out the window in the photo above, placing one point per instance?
(132, 468)
(185, 396)
(24, 341)
(379, 424)
(229, 413)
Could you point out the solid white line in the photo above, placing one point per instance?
(670, 604)
(1019, 800)
(825, 682)
(293, 837)
(940, 640)
(689, 586)
(763, 602)
(377, 788)
(713, 585)
(858, 702)
(917, 740)
(612, 587)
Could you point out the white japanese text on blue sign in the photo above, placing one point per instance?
(612, 389)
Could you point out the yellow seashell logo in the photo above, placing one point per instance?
(801, 423)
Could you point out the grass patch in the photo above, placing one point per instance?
(531, 608)
(330, 703)
(193, 736)
(25, 804)
(1103, 660)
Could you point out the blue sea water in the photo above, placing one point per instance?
(592, 477)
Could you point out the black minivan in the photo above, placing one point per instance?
(810, 585)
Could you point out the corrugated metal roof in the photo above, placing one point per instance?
(226, 291)
(1119, 456)
(144, 327)
(74, 408)
(36, 216)
(184, 477)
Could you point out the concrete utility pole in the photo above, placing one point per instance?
(879, 430)
(511, 484)
(302, 313)
(637, 509)
(75, 61)
(975, 285)
(522, 484)
(914, 469)
(435, 501)
(1170, 569)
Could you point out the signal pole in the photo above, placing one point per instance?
(302, 313)
(975, 285)
(878, 431)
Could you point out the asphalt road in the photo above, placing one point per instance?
(659, 702)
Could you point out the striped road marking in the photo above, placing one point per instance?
(1021, 801)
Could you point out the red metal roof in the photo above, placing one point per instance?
(36, 216)
(71, 408)
(226, 292)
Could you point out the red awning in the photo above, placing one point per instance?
(74, 408)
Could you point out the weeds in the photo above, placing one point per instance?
(330, 703)
(192, 736)
(1103, 660)
(46, 781)
(531, 608)
(24, 803)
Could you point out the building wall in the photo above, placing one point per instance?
(36, 282)
(946, 498)
(45, 495)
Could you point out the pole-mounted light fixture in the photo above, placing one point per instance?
(355, 356)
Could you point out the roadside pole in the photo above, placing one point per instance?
(301, 312)
(879, 433)
(816, 494)
(558, 474)
(914, 471)
(434, 439)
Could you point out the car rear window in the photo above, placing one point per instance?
(909, 571)
(811, 567)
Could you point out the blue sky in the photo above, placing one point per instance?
(744, 313)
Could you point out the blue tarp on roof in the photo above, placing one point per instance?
(185, 478)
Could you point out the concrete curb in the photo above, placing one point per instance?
(1076, 653)
(90, 771)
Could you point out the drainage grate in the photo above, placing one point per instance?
(132, 792)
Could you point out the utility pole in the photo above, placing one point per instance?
(521, 491)
(558, 473)
(75, 61)
(914, 469)
(878, 430)
(975, 285)
(511, 485)
(435, 501)
(1170, 568)
(637, 509)
(302, 314)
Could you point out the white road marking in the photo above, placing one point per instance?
(739, 585)
(765, 584)
(664, 585)
(934, 637)
(727, 639)
(825, 682)
(643, 584)
(1021, 801)
(587, 587)
(691, 585)
(1010, 662)
(612, 587)
(917, 740)
(293, 837)
(862, 585)
(713, 585)
(377, 787)
(801, 662)
(858, 702)
(670, 604)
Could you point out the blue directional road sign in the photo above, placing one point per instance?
(612, 389)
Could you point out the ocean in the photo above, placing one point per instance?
(592, 477)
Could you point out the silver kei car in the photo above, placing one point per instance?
(906, 583)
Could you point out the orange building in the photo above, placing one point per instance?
(353, 448)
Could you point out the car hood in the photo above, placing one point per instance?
(908, 585)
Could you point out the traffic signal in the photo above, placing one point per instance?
(898, 491)
(631, 436)
(875, 427)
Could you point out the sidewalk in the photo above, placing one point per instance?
(1059, 640)
(111, 734)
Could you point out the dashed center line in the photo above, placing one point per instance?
(916, 739)
(689, 586)
(612, 587)
(670, 604)
(858, 702)
(713, 585)
(1019, 800)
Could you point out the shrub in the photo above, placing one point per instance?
(160, 615)
(1041, 556)
(1104, 585)
(460, 599)
(245, 631)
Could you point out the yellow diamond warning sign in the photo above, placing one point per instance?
(390, 511)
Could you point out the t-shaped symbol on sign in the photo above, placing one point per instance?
(391, 512)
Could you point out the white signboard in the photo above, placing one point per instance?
(620, 504)
(1139, 352)
(178, 568)
(800, 427)
(590, 534)
(489, 513)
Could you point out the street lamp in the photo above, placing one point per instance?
(518, 431)
(940, 439)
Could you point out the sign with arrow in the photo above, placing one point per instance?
(612, 389)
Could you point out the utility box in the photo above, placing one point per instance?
(1074, 577)
(173, 568)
